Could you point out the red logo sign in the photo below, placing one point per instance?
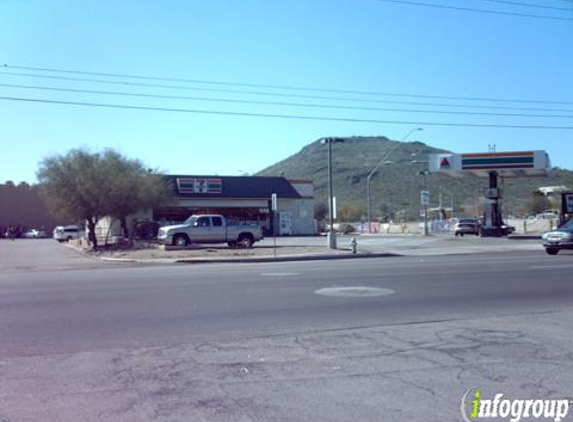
(444, 163)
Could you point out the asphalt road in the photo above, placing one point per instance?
(76, 309)
(157, 323)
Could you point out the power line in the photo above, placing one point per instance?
(415, 103)
(282, 116)
(277, 103)
(247, 85)
(469, 9)
(538, 6)
(566, 1)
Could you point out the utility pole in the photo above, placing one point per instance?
(331, 237)
(424, 173)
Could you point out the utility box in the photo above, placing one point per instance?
(566, 206)
(285, 223)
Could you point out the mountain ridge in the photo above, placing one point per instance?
(395, 187)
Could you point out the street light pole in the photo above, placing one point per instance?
(373, 172)
(331, 237)
(424, 174)
(368, 195)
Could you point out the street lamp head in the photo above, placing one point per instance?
(410, 132)
(324, 141)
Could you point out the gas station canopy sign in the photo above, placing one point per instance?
(506, 164)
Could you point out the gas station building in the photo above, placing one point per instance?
(491, 166)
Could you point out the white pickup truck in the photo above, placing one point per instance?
(209, 228)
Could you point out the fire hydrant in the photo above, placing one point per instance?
(353, 244)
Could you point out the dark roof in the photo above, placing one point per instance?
(246, 187)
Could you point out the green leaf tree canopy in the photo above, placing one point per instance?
(82, 185)
(538, 202)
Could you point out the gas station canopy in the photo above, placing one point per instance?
(506, 164)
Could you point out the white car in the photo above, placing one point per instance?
(548, 215)
(34, 234)
(67, 233)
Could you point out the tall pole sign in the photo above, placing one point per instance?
(274, 208)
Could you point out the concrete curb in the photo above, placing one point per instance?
(107, 259)
(290, 258)
(254, 259)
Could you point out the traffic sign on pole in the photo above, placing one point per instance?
(425, 198)
(274, 202)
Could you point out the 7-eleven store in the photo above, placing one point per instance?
(243, 200)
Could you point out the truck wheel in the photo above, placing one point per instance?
(180, 240)
(245, 241)
(552, 251)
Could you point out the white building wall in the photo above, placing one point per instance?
(302, 213)
(303, 209)
(305, 188)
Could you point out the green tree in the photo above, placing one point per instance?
(350, 212)
(320, 211)
(88, 186)
(538, 202)
(135, 188)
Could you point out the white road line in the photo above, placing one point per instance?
(354, 291)
(543, 267)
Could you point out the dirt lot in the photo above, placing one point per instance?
(143, 251)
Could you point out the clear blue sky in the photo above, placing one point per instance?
(351, 45)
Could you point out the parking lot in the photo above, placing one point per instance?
(41, 254)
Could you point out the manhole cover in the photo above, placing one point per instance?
(354, 291)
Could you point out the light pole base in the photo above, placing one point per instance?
(331, 240)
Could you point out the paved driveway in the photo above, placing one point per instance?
(41, 254)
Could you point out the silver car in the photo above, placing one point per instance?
(559, 239)
(467, 226)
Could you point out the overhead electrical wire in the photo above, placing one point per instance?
(415, 103)
(470, 9)
(282, 116)
(250, 85)
(277, 103)
(537, 6)
(127, 82)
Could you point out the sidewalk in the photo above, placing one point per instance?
(314, 248)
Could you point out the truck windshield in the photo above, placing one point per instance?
(568, 225)
(190, 220)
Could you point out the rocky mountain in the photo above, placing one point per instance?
(395, 188)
